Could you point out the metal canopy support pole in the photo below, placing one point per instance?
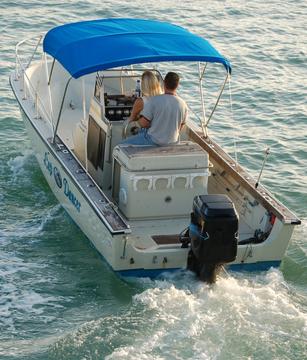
(83, 100)
(203, 119)
(38, 86)
(60, 112)
(49, 92)
(85, 148)
(121, 81)
(51, 71)
(218, 99)
(84, 124)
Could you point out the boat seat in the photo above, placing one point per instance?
(185, 155)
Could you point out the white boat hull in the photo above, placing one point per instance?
(122, 251)
(117, 250)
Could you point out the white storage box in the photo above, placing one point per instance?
(153, 182)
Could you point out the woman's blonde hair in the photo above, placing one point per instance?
(150, 85)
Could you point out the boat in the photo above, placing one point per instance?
(146, 209)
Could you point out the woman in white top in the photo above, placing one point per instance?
(150, 86)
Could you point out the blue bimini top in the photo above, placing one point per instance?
(89, 46)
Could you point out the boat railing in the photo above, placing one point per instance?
(28, 87)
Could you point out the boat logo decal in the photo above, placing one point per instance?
(57, 177)
(53, 170)
(48, 164)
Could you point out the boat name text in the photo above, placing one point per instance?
(58, 180)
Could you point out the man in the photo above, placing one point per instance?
(162, 117)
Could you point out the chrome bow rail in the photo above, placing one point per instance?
(31, 90)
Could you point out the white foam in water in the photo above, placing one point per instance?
(17, 164)
(245, 316)
(242, 316)
(24, 347)
(19, 304)
(34, 226)
(42, 220)
(203, 322)
(11, 265)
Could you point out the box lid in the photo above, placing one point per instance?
(185, 155)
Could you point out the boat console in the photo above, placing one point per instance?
(94, 141)
(118, 107)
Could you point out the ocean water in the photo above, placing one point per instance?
(58, 300)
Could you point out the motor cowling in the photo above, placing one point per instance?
(213, 233)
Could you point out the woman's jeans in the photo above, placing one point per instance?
(142, 138)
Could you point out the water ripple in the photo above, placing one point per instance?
(58, 300)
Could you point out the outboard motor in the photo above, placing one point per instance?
(213, 234)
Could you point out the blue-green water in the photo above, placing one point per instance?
(58, 300)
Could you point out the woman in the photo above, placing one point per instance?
(150, 86)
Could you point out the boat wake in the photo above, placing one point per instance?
(18, 165)
(31, 227)
(180, 318)
(35, 208)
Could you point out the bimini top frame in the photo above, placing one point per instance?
(81, 48)
(89, 46)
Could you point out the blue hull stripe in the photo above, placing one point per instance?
(150, 273)
(258, 266)
(153, 273)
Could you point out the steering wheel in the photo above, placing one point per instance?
(130, 128)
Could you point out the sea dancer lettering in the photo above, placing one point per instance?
(70, 195)
(48, 163)
(58, 179)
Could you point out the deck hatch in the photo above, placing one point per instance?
(96, 144)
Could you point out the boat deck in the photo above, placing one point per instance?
(261, 194)
(245, 232)
(104, 208)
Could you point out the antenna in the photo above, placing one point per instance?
(266, 154)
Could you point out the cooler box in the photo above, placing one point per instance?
(153, 182)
